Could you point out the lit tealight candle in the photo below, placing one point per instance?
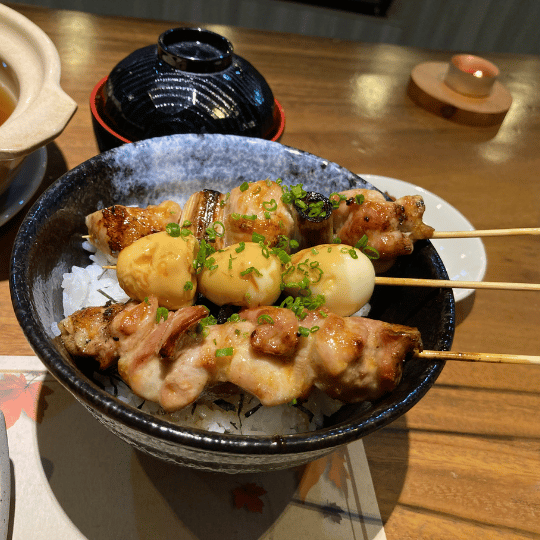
(471, 75)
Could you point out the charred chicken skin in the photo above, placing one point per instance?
(117, 227)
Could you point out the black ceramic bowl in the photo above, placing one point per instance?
(49, 244)
(189, 82)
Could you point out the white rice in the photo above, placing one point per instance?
(82, 286)
(239, 413)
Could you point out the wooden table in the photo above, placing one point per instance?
(465, 461)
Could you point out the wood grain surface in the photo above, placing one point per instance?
(465, 461)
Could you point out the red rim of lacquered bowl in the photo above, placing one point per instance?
(275, 133)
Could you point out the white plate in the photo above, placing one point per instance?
(24, 185)
(464, 258)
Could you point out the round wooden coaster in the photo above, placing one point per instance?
(428, 89)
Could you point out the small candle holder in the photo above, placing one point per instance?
(471, 75)
(465, 90)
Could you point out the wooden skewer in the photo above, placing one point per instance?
(479, 357)
(486, 232)
(454, 284)
(442, 283)
(468, 234)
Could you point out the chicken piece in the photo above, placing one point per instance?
(116, 227)
(149, 342)
(361, 359)
(262, 199)
(390, 226)
(268, 353)
(252, 208)
(86, 333)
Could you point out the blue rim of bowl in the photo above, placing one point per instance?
(107, 405)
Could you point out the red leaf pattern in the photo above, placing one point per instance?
(18, 395)
(249, 495)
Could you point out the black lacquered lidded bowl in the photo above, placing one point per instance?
(189, 82)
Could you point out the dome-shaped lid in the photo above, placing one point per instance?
(190, 82)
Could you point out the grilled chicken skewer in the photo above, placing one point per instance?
(166, 358)
(391, 227)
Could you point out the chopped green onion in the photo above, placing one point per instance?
(336, 198)
(244, 186)
(251, 270)
(359, 198)
(205, 250)
(292, 194)
(213, 233)
(227, 351)
(173, 229)
(316, 209)
(271, 205)
(223, 202)
(209, 263)
(188, 286)
(241, 247)
(362, 243)
(371, 252)
(284, 257)
(257, 238)
(162, 313)
(210, 320)
(265, 319)
(368, 251)
(251, 217)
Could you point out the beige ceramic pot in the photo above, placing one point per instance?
(37, 109)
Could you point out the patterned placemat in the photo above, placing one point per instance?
(73, 479)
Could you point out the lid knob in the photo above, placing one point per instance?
(195, 49)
